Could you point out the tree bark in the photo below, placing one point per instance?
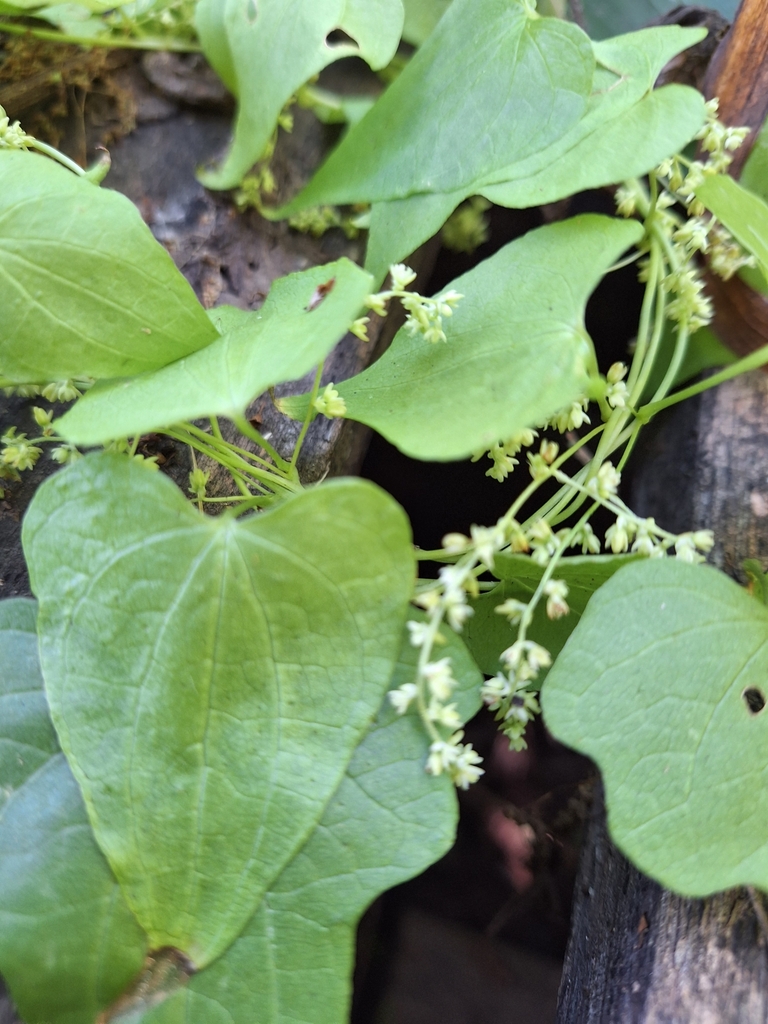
(639, 954)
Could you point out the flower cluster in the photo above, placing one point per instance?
(18, 453)
(617, 394)
(198, 483)
(425, 316)
(509, 693)
(330, 403)
(572, 417)
(432, 693)
(502, 454)
(12, 136)
(645, 537)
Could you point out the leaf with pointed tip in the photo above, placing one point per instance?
(530, 78)
(742, 212)
(210, 678)
(487, 634)
(78, 299)
(627, 129)
(663, 684)
(264, 51)
(69, 945)
(516, 351)
(280, 342)
(387, 821)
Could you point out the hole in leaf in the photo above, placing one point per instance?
(338, 37)
(754, 700)
(251, 11)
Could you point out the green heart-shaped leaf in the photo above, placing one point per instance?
(282, 341)
(664, 683)
(627, 129)
(68, 943)
(516, 350)
(79, 300)
(487, 634)
(387, 821)
(529, 76)
(265, 51)
(208, 678)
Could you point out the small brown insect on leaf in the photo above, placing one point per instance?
(320, 293)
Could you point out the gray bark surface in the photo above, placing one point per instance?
(639, 954)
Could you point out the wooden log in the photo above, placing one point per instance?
(639, 954)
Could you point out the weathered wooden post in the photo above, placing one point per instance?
(639, 954)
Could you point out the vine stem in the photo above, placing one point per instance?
(753, 361)
(549, 571)
(435, 621)
(111, 42)
(307, 420)
(248, 430)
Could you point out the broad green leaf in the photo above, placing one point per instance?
(609, 17)
(754, 176)
(457, 111)
(663, 684)
(68, 942)
(210, 678)
(85, 289)
(282, 341)
(421, 16)
(743, 213)
(517, 350)
(27, 739)
(387, 821)
(487, 633)
(627, 130)
(265, 51)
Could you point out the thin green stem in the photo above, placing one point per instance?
(236, 465)
(751, 362)
(435, 621)
(112, 42)
(54, 154)
(248, 430)
(219, 442)
(650, 299)
(307, 420)
(681, 347)
(566, 542)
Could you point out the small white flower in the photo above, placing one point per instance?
(512, 608)
(418, 632)
(556, 592)
(330, 403)
(685, 549)
(439, 678)
(401, 276)
(402, 698)
(444, 714)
